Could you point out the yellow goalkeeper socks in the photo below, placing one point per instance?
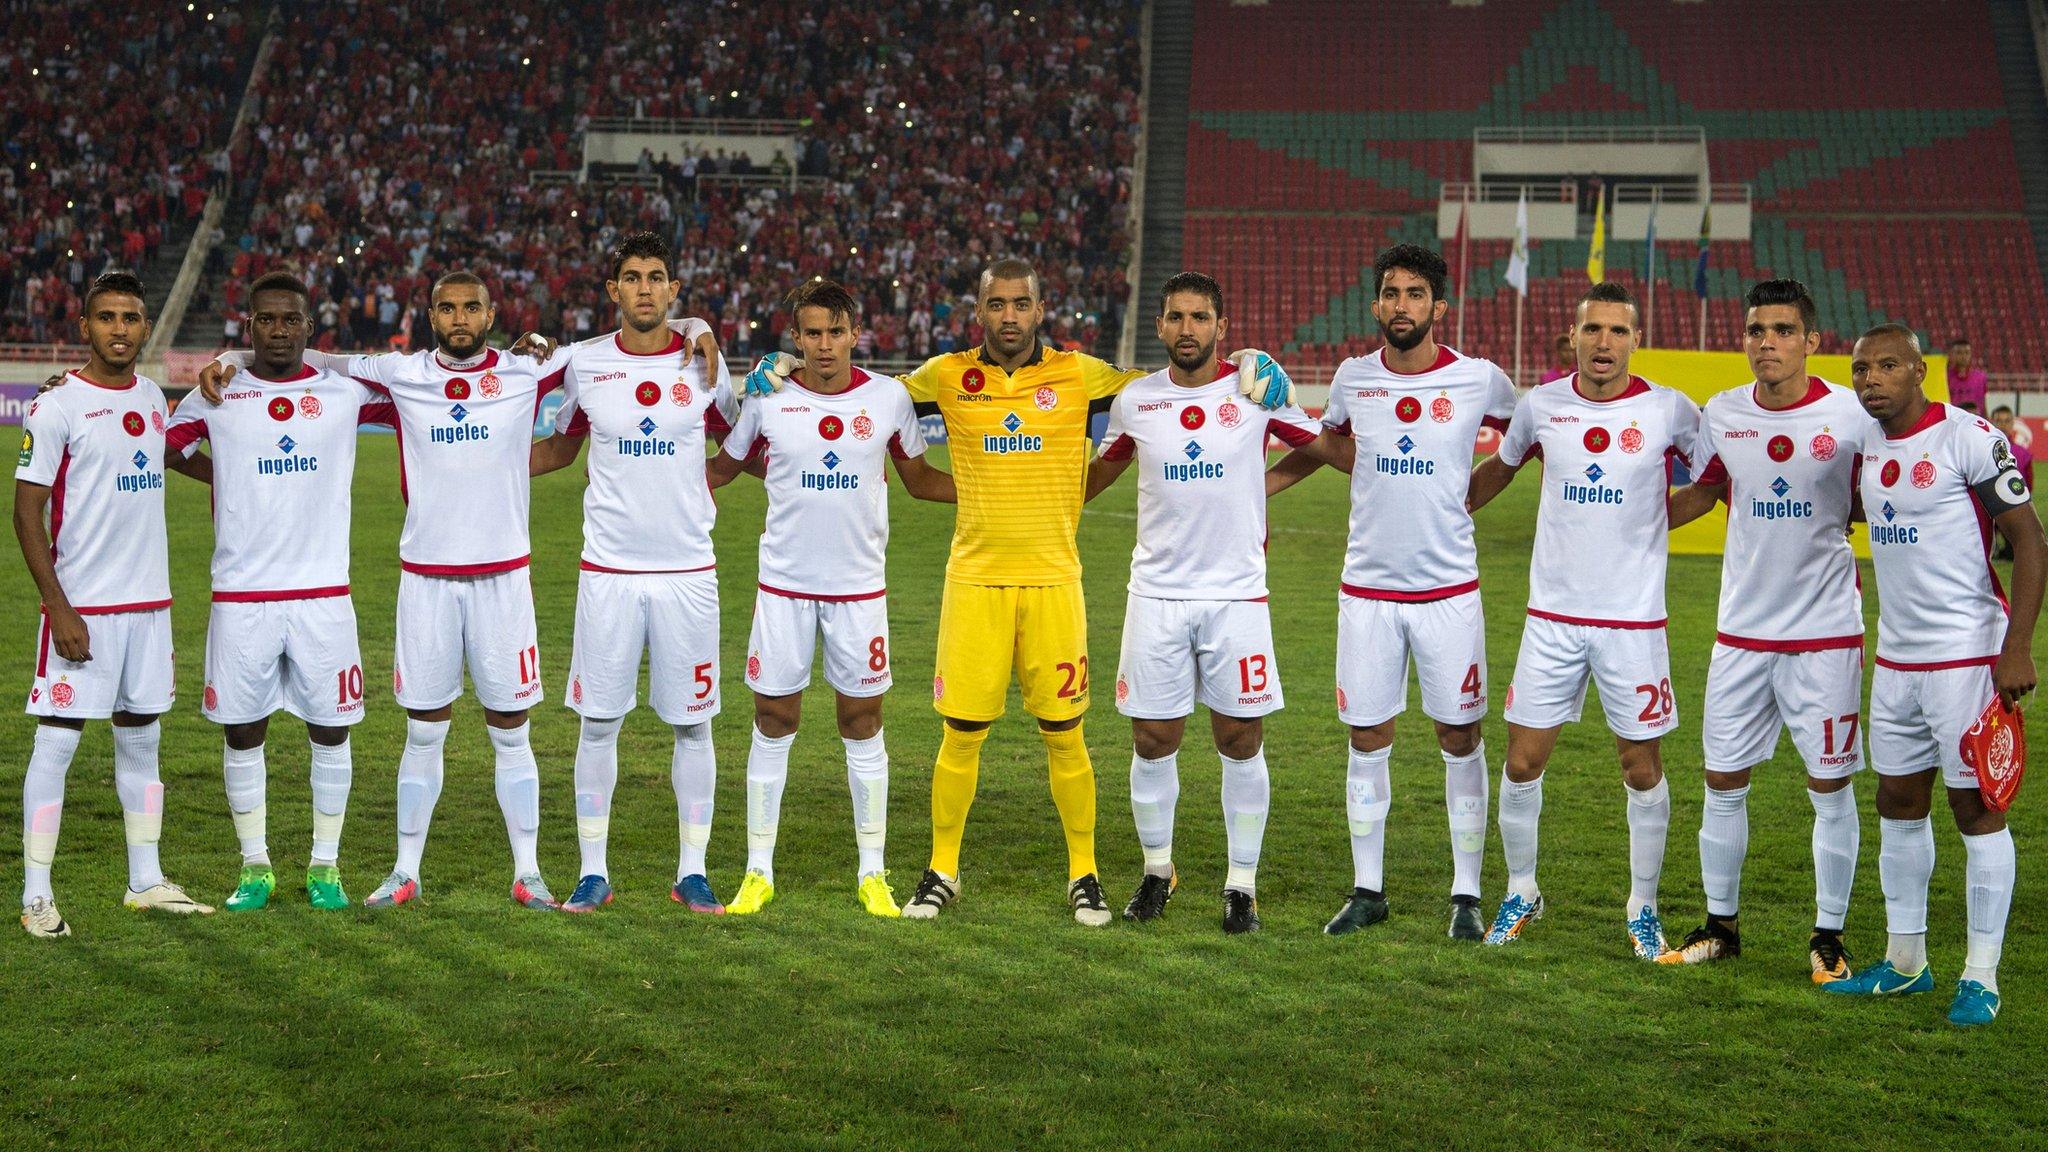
(1073, 793)
(953, 779)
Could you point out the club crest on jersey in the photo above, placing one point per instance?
(938, 687)
(753, 665)
(1779, 449)
(1192, 417)
(60, 694)
(1631, 439)
(131, 423)
(1441, 410)
(1123, 690)
(863, 428)
(1821, 447)
(679, 394)
(831, 427)
(309, 406)
(489, 386)
(1342, 702)
(647, 393)
(1597, 440)
(1228, 414)
(456, 389)
(576, 689)
(1046, 398)
(1408, 409)
(211, 698)
(971, 381)
(1923, 474)
(156, 420)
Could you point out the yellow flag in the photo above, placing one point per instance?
(1596, 258)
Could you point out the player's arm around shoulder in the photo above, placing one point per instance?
(1689, 502)
(744, 448)
(1491, 476)
(1114, 456)
(560, 447)
(908, 450)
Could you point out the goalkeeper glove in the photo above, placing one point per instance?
(1262, 379)
(771, 374)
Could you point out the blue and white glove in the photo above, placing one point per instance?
(771, 374)
(1262, 380)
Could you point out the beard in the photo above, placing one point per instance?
(1188, 362)
(459, 351)
(1416, 335)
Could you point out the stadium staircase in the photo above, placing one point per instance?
(2026, 106)
(1166, 160)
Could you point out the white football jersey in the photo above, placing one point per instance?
(647, 507)
(1788, 577)
(464, 433)
(1201, 459)
(1930, 496)
(100, 452)
(1411, 537)
(284, 456)
(1600, 529)
(827, 530)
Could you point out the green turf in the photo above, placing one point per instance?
(470, 1023)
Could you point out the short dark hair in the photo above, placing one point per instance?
(2005, 408)
(1424, 262)
(1767, 292)
(461, 276)
(1955, 340)
(831, 295)
(124, 283)
(1912, 338)
(1011, 268)
(647, 245)
(1192, 282)
(279, 281)
(1609, 292)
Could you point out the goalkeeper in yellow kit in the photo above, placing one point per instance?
(1017, 430)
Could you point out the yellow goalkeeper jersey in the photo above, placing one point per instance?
(1019, 448)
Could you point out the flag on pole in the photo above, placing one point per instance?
(1596, 257)
(1650, 247)
(1518, 260)
(1464, 240)
(1699, 272)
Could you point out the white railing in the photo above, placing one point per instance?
(1593, 134)
(695, 126)
(1484, 192)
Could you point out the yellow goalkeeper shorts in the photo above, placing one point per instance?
(984, 632)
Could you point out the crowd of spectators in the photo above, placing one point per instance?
(394, 143)
(111, 124)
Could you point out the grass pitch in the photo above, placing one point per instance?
(470, 1023)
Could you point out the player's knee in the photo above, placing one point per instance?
(498, 719)
(1154, 740)
(325, 736)
(1372, 737)
(859, 717)
(242, 737)
(1239, 739)
(1973, 816)
(969, 725)
(1905, 797)
(1730, 781)
(777, 716)
(1045, 725)
(65, 722)
(434, 715)
(1454, 739)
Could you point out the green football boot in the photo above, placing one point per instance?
(323, 888)
(253, 891)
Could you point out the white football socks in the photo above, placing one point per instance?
(1649, 821)
(1837, 838)
(1465, 805)
(333, 772)
(1905, 863)
(1368, 794)
(1155, 791)
(867, 781)
(597, 777)
(1246, 795)
(693, 773)
(246, 777)
(1521, 807)
(419, 786)
(518, 786)
(1988, 878)
(141, 791)
(42, 807)
(767, 776)
(1724, 841)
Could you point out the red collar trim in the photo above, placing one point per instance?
(102, 387)
(305, 372)
(489, 362)
(1935, 414)
(855, 377)
(1636, 387)
(1816, 389)
(1444, 359)
(675, 345)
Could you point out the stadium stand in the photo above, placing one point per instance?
(113, 120)
(427, 161)
(1895, 196)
